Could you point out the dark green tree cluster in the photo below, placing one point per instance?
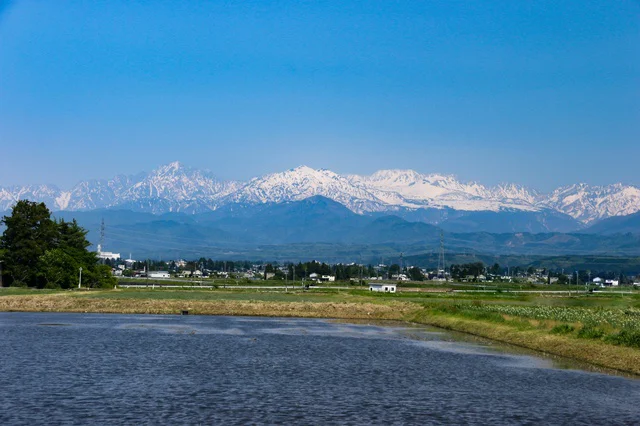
(474, 270)
(495, 269)
(38, 251)
(270, 269)
(415, 274)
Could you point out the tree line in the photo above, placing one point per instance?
(38, 251)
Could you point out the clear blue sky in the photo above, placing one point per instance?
(542, 93)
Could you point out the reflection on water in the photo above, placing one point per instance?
(79, 368)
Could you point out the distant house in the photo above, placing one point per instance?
(382, 287)
(400, 277)
(159, 274)
(329, 278)
(313, 276)
(613, 283)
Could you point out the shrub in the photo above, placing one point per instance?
(488, 316)
(562, 329)
(625, 337)
(590, 332)
(52, 286)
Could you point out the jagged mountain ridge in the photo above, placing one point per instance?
(176, 188)
(434, 190)
(590, 203)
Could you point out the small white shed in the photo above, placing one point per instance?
(159, 274)
(382, 287)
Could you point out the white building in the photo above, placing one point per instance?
(107, 254)
(159, 274)
(382, 287)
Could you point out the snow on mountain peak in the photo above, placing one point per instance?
(590, 203)
(175, 165)
(175, 187)
(304, 182)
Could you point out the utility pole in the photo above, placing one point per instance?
(1, 272)
(80, 278)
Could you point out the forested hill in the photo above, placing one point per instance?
(317, 227)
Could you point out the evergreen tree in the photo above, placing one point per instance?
(40, 252)
(29, 233)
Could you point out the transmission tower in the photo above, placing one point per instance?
(101, 243)
(441, 264)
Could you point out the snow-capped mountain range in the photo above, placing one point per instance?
(176, 188)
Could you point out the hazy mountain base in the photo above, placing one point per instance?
(617, 225)
(322, 229)
(380, 241)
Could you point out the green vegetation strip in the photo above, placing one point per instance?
(596, 352)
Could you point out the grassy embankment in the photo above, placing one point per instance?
(600, 329)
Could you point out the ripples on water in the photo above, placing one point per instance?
(80, 369)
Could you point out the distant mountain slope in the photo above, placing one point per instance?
(315, 219)
(511, 221)
(617, 225)
(313, 227)
(406, 193)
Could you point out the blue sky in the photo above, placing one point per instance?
(541, 93)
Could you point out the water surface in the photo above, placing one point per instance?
(152, 369)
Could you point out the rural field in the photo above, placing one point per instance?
(601, 328)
